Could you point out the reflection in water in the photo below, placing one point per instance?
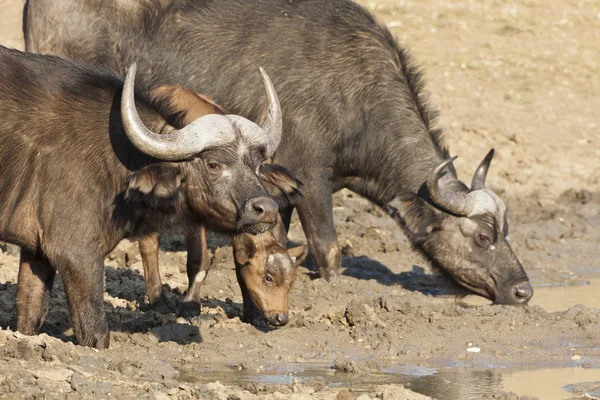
(548, 384)
(456, 383)
(555, 296)
(441, 383)
(559, 298)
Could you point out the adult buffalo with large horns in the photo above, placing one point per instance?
(87, 161)
(354, 113)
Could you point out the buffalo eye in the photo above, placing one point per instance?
(213, 166)
(268, 278)
(483, 240)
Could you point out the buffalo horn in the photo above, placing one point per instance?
(206, 131)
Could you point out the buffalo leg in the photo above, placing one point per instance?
(149, 245)
(198, 264)
(36, 277)
(316, 215)
(84, 287)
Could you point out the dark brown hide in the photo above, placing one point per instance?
(72, 185)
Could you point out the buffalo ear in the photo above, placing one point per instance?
(298, 254)
(243, 248)
(155, 184)
(281, 184)
(185, 105)
(414, 215)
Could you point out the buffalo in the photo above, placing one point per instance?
(88, 160)
(266, 270)
(356, 116)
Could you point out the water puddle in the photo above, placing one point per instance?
(552, 384)
(440, 383)
(557, 296)
(455, 382)
(561, 297)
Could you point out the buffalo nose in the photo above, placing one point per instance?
(523, 292)
(279, 319)
(263, 209)
(282, 319)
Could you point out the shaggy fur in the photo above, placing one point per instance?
(354, 106)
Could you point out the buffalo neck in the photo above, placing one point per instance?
(397, 154)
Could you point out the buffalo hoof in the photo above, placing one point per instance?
(190, 310)
(160, 305)
(100, 341)
(331, 275)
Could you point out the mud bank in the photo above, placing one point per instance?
(520, 77)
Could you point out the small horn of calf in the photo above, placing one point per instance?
(206, 131)
(455, 202)
(273, 125)
(478, 182)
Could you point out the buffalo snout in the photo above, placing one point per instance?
(278, 319)
(260, 212)
(517, 294)
(522, 293)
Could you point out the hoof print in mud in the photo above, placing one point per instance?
(355, 117)
(190, 310)
(162, 305)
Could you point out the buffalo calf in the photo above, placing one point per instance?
(281, 185)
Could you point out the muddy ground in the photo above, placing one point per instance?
(522, 77)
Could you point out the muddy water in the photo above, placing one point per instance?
(446, 382)
(560, 297)
(557, 296)
(550, 384)
(441, 383)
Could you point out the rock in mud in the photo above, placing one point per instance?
(398, 392)
(54, 374)
(156, 395)
(357, 313)
(86, 386)
(345, 394)
(23, 350)
(347, 364)
(586, 390)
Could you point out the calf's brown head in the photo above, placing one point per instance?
(210, 164)
(266, 272)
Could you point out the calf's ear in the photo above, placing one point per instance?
(243, 248)
(185, 105)
(298, 254)
(156, 185)
(281, 184)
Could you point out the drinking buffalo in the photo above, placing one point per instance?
(355, 113)
(82, 167)
(266, 270)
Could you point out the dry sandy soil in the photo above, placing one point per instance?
(522, 77)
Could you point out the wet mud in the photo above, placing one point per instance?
(521, 77)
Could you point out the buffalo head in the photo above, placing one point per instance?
(266, 272)
(210, 166)
(464, 232)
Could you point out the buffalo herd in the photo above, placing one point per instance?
(132, 119)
